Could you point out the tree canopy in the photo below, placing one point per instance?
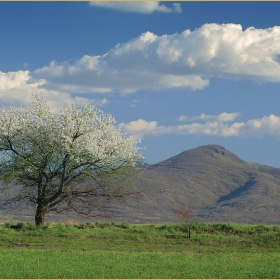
(71, 160)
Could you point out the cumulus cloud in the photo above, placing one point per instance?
(16, 88)
(186, 60)
(219, 126)
(268, 125)
(151, 62)
(139, 7)
(138, 128)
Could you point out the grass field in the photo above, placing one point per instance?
(121, 250)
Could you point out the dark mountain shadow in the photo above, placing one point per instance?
(238, 192)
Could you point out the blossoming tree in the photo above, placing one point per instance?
(71, 160)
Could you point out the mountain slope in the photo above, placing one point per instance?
(226, 188)
(215, 183)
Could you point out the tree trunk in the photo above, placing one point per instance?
(39, 216)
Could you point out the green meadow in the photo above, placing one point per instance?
(122, 250)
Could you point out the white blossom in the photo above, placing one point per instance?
(47, 152)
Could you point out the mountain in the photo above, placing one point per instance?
(215, 183)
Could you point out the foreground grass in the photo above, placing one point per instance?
(113, 250)
(51, 263)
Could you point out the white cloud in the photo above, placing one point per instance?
(186, 60)
(152, 62)
(218, 126)
(138, 128)
(268, 125)
(106, 77)
(224, 117)
(176, 81)
(134, 103)
(215, 128)
(16, 88)
(139, 7)
(183, 118)
(177, 7)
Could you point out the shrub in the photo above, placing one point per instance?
(125, 225)
(81, 226)
(31, 227)
(69, 223)
(261, 228)
(20, 225)
(171, 229)
(7, 224)
(90, 224)
(61, 226)
(165, 227)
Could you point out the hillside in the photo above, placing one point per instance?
(226, 188)
(219, 186)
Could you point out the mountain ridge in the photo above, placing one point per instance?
(226, 187)
(218, 185)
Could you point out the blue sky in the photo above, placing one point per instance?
(178, 75)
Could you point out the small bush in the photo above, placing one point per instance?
(21, 225)
(125, 225)
(61, 227)
(31, 226)
(7, 224)
(100, 225)
(49, 226)
(171, 230)
(163, 227)
(261, 228)
(90, 224)
(69, 223)
(80, 226)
